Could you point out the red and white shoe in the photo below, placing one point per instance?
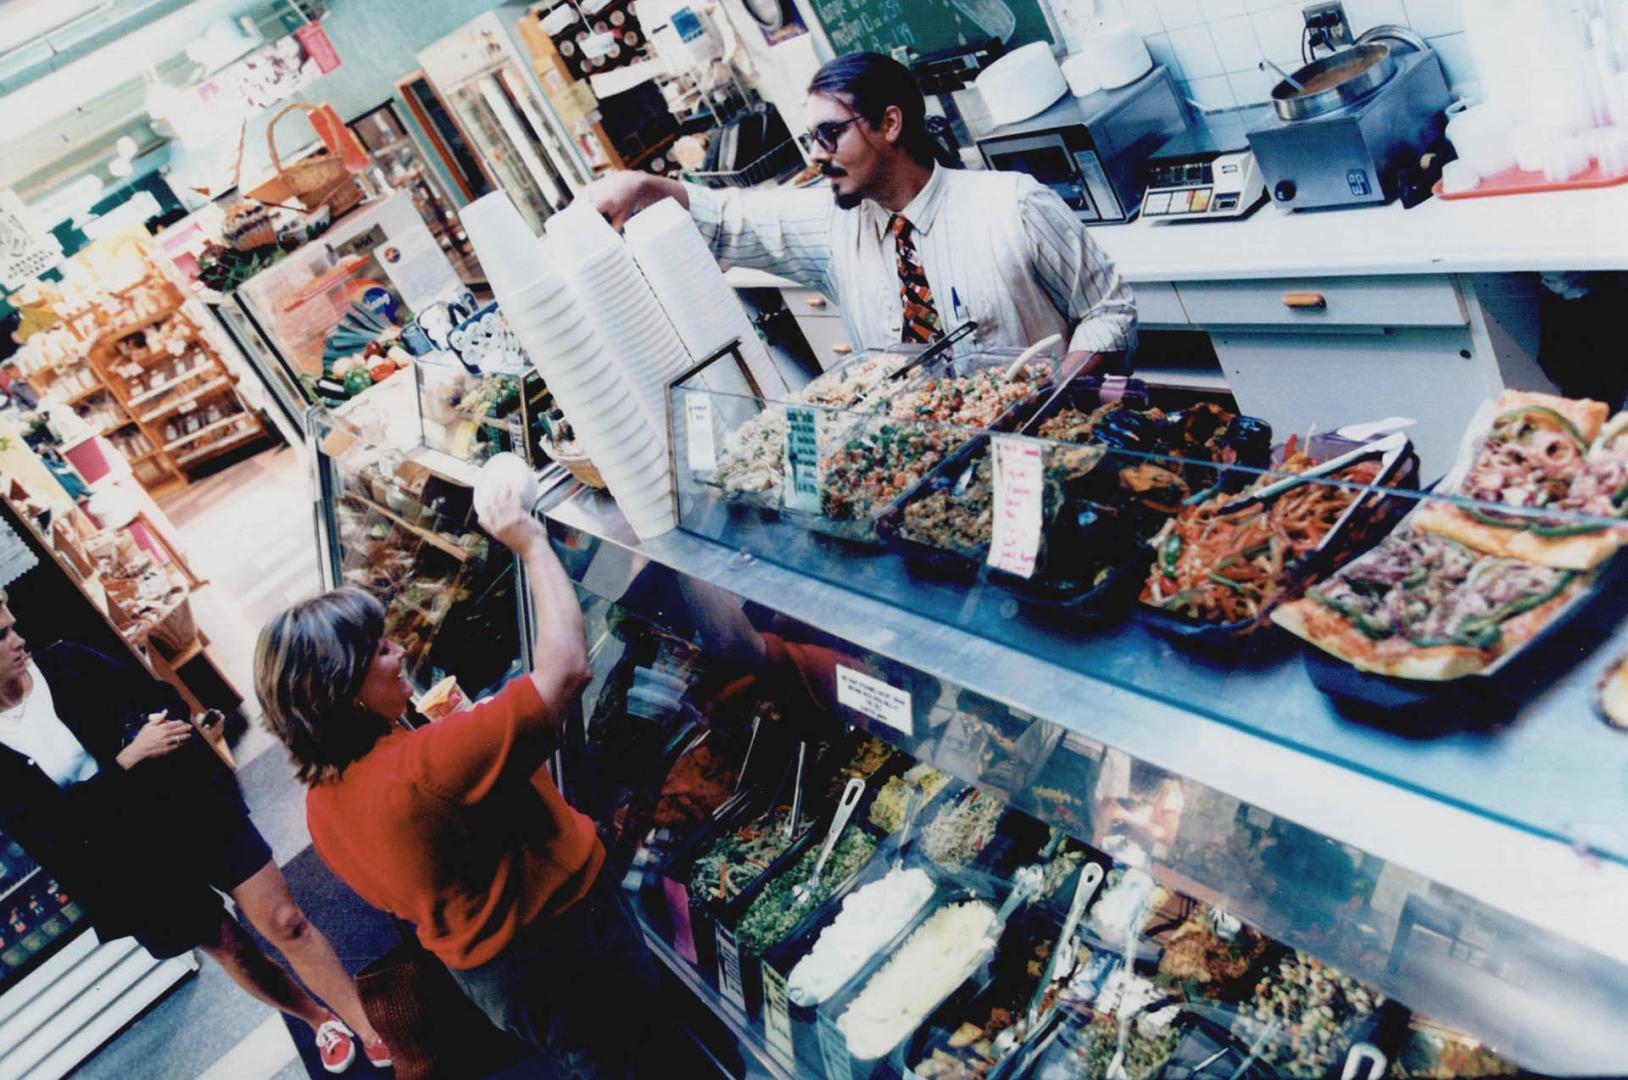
(336, 1045)
(377, 1054)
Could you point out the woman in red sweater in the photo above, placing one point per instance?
(455, 826)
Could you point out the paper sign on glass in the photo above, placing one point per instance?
(1019, 485)
(873, 698)
(698, 435)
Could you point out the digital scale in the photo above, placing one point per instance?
(1207, 173)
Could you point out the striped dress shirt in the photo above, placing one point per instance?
(1007, 247)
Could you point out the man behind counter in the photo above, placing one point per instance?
(909, 249)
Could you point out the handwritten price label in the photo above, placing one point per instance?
(698, 435)
(802, 460)
(1019, 483)
(873, 698)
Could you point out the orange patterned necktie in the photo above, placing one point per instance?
(920, 317)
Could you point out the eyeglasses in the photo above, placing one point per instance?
(828, 134)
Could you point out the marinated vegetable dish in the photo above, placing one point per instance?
(736, 859)
(773, 913)
(976, 400)
(874, 468)
(1307, 1013)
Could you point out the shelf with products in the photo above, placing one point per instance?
(213, 387)
(406, 533)
(168, 384)
(231, 441)
(1463, 870)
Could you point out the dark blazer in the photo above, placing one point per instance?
(126, 844)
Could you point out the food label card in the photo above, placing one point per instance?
(871, 697)
(1019, 477)
(777, 1016)
(802, 460)
(834, 1049)
(729, 968)
(698, 435)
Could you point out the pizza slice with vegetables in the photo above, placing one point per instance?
(1542, 453)
(1421, 606)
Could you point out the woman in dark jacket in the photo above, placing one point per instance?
(103, 783)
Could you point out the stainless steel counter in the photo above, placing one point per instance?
(1455, 873)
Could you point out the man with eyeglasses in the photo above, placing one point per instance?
(907, 247)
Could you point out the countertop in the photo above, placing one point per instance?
(1568, 230)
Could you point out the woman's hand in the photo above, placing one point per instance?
(157, 738)
(505, 516)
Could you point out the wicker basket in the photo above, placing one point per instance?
(577, 465)
(316, 181)
(176, 630)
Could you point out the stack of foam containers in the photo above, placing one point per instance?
(687, 281)
(613, 423)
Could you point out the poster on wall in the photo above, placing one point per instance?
(26, 249)
(270, 74)
(778, 19)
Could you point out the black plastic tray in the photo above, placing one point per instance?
(1478, 701)
(1337, 548)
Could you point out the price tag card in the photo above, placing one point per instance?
(871, 697)
(834, 1049)
(1019, 487)
(802, 460)
(729, 968)
(699, 439)
(777, 1016)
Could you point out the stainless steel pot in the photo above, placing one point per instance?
(1334, 82)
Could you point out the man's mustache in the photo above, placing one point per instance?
(832, 171)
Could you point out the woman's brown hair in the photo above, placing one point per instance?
(309, 666)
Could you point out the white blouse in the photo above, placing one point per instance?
(1006, 247)
(33, 730)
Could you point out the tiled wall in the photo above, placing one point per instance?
(1214, 47)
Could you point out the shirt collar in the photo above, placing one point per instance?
(921, 211)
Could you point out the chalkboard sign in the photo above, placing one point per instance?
(927, 26)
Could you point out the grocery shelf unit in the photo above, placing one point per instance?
(171, 412)
(1487, 920)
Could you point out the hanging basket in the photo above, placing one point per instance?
(320, 180)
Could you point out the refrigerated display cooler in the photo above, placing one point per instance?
(483, 78)
(402, 526)
(382, 255)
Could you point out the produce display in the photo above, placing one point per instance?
(1228, 568)
(961, 830)
(935, 959)
(877, 465)
(1420, 606)
(772, 914)
(869, 918)
(887, 809)
(974, 400)
(1307, 1013)
(1212, 950)
(1539, 453)
(737, 858)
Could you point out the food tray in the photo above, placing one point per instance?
(1205, 1049)
(839, 1061)
(668, 904)
(1338, 547)
(951, 564)
(793, 1031)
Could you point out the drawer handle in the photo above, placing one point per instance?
(816, 301)
(1305, 301)
(842, 350)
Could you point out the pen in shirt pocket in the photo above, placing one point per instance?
(961, 314)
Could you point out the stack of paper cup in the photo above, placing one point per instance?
(609, 287)
(687, 281)
(615, 430)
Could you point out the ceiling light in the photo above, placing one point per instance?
(120, 166)
(126, 146)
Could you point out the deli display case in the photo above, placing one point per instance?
(1342, 781)
(381, 255)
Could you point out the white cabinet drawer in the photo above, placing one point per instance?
(809, 303)
(828, 339)
(1157, 304)
(1310, 302)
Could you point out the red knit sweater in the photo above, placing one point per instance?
(434, 826)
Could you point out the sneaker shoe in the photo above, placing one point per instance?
(378, 1054)
(336, 1045)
